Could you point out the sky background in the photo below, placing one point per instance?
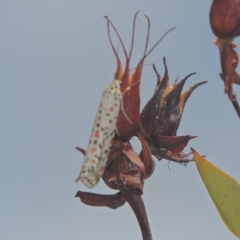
(55, 62)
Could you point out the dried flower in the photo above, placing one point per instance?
(161, 116)
(156, 128)
(130, 83)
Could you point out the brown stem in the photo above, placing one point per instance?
(138, 207)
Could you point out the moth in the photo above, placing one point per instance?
(102, 135)
(103, 131)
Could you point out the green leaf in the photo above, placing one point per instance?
(224, 191)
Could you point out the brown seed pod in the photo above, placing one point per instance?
(225, 18)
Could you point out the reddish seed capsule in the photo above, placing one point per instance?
(225, 18)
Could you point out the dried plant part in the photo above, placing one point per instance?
(118, 120)
(229, 62)
(131, 99)
(161, 116)
(225, 24)
(125, 171)
(105, 124)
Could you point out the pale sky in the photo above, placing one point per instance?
(55, 61)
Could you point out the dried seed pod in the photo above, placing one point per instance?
(225, 24)
(225, 18)
(161, 116)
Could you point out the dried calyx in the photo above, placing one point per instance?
(161, 116)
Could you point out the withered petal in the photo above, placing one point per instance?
(172, 99)
(175, 157)
(131, 179)
(169, 114)
(150, 113)
(159, 79)
(184, 96)
(99, 200)
(134, 158)
(165, 81)
(175, 144)
(123, 160)
(146, 157)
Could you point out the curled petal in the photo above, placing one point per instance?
(131, 179)
(184, 96)
(126, 164)
(161, 153)
(99, 200)
(175, 144)
(169, 114)
(146, 157)
(134, 158)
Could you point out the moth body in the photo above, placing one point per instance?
(102, 135)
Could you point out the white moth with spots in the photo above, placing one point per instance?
(102, 135)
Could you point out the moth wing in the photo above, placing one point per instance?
(102, 136)
(111, 109)
(89, 168)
